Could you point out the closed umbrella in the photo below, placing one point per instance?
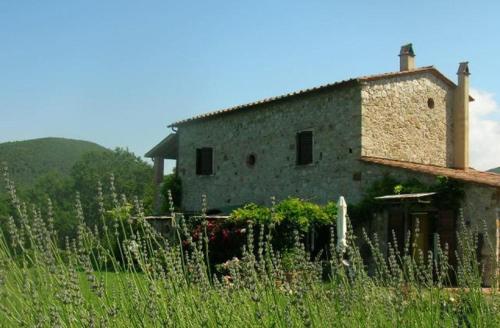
(341, 224)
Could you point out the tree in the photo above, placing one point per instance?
(60, 190)
(172, 183)
(132, 177)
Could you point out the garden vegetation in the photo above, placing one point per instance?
(119, 272)
(81, 175)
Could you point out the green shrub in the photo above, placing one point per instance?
(173, 183)
(289, 215)
(296, 213)
(253, 213)
(300, 213)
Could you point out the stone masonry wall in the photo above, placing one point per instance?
(269, 133)
(481, 210)
(398, 123)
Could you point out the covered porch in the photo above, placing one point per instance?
(167, 149)
(411, 222)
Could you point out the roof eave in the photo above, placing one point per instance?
(165, 148)
(267, 101)
(470, 176)
(340, 84)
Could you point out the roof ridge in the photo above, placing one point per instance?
(317, 88)
(415, 70)
(265, 100)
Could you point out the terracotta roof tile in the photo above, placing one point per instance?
(265, 101)
(471, 175)
(343, 83)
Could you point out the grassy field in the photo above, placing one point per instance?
(130, 299)
(123, 274)
(168, 288)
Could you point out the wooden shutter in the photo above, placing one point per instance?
(446, 228)
(304, 147)
(204, 161)
(198, 161)
(396, 224)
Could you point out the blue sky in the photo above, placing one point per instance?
(117, 72)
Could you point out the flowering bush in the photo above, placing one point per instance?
(291, 215)
(224, 238)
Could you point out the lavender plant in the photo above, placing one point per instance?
(123, 273)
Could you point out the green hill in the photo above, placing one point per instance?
(28, 160)
(497, 170)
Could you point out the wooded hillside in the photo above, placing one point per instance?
(30, 159)
(497, 170)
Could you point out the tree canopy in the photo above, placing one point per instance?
(132, 177)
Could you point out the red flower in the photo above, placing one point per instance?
(225, 234)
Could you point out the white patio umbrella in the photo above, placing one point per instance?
(341, 224)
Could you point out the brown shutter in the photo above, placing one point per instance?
(304, 147)
(447, 228)
(198, 161)
(207, 161)
(204, 161)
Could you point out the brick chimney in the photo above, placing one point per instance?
(406, 58)
(461, 118)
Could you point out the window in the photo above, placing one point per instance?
(304, 148)
(204, 161)
(430, 103)
(251, 159)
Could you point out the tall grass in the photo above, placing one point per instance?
(123, 274)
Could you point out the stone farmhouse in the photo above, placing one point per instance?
(338, 139)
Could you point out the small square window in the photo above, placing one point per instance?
(304, 148)
(204, 161)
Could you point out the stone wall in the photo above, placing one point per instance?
(481, 210)
(399, 124)
(269, 132)
(335, 171)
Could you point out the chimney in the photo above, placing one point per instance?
(406, 58)
(461, 118)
